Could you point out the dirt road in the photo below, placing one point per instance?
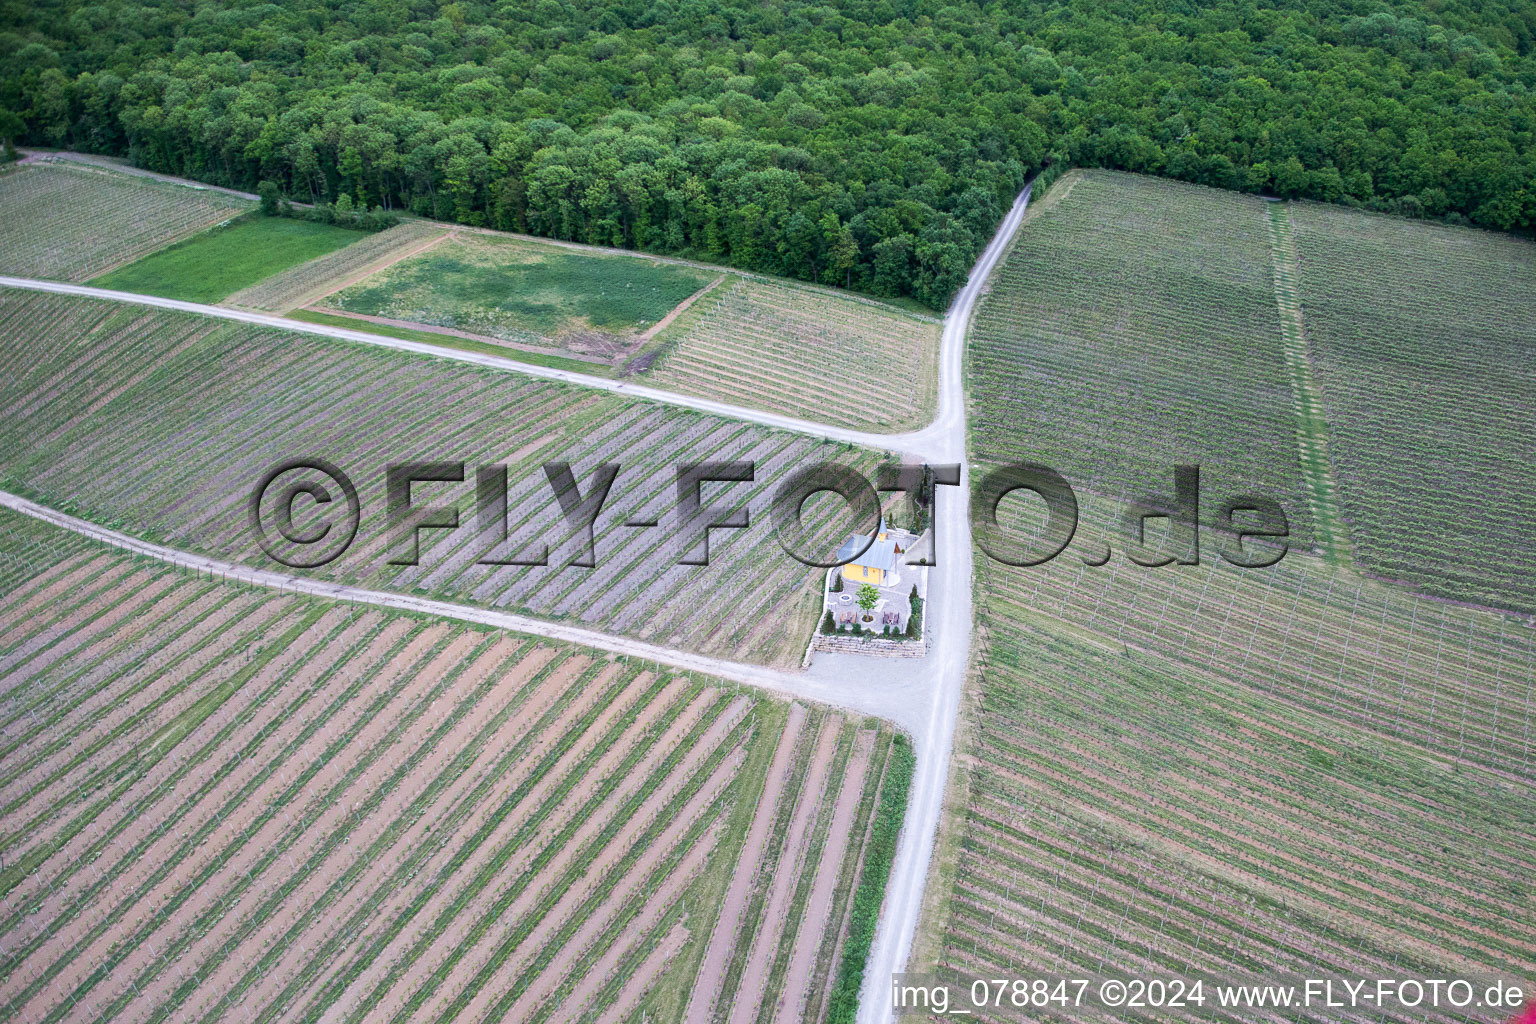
(920, 696)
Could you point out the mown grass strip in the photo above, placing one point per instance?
(867, 901)
(1330, 532)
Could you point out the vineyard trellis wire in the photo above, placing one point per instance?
(68, 222)
(190, 834)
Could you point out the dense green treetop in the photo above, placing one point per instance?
(872, 143)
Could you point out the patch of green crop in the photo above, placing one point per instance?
(221, 261)
(517, 291)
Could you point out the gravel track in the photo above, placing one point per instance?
(921, 697)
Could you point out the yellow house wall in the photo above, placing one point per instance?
(862, 574)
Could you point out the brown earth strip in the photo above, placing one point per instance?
(678, 310)
(551, 350)
(645, 975)
(818, 908)
(332, 287)
(723, 939)
(754, 978)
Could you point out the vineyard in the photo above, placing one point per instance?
(1425, 342)
(1223, 772)
(1136, 812)
(200, 408)
(526, 293)
(308, 282)
(219, 803)
(1132, 327)
(805, 353)
(1458, 682)
(70, 223)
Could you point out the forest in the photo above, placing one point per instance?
(872, 144)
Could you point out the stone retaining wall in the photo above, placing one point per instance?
(868, 646)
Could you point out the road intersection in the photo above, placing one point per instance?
(920, 696)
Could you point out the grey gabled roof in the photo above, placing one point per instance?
(881, 554)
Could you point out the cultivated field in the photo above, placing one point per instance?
(308, 282)
(69, 223)
(803, 352)
(221, 803)
(526, 294)
(199, 409)
(1157, 795)
(1133, 326)
(218, 262)
(1456, 681)
(1205, 770)
(1424, 338)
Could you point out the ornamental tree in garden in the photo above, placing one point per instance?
(867, 598)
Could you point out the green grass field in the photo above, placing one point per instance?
(526, 292)
(219, 262)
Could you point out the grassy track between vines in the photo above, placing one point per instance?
(1329, 528)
